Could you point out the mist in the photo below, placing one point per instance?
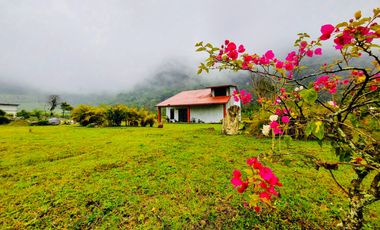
(113, 46)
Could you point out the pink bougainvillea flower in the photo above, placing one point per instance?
(278, 131)
(233, 54)
(272, 191)
(241, 49)
(247, 58)
(236, 182)
(289, 66)
(236, 173)
(243, 187)
(309, 53)
(274, 124)
(226, 42)
(279, 64)
(291, 56)
(326, 31)
(245, 96)
(285, 119)
(235, 94)
(269, 55)
(344, 39)
(373, 87)
(251, 161)
(263, 185)
(254, 163)
(266, 173)
(318, 51)
(231, 46)
(265, 195)
(273, 180)
(278, 112)
(345, 81)
(236, 179)
(303, 44)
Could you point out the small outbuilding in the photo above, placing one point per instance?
(207, 105)
(9, 108)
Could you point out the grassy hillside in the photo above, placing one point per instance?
(178, 177)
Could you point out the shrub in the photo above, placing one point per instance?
(4, 120)
(85, 114)
(116, 114)
(40, 123)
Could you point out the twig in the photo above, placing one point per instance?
(340, 186)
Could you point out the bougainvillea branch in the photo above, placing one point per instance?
(334, 103)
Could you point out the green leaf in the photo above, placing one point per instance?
(319, 130)
(209, 45)
(199, 71)
(309, 129)
(309, 95)
(353, 120)
(200, 49)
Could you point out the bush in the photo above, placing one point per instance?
(23, 114)
(40, 123)
(2, 113)
(4, 120)
(116, 115)
(85, 115)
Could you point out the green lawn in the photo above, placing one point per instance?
(176, 177)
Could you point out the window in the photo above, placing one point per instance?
(220, 92)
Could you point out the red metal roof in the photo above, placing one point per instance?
(194, 97)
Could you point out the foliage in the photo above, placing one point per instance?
(86, 114)
(342, 89)
(4, 120)
(53, 102)
(113, 115)
(23, 114)
(65, 107)
(2, 113)
(40, 123)
(66, 177)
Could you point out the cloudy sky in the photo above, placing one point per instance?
(110, 45)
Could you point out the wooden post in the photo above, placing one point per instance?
(224, 111)
(188, 114)
(159, 114)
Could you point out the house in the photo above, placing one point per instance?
(207, 105)
(9, 108)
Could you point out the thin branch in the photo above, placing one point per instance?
(340, 186)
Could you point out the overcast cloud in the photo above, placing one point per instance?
(110, 45)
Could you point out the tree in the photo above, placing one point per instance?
(332, 103)
(24, 114)
(53, 101)
(65, 107)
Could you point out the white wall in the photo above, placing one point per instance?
(207, 113)
(10, 109)
(175, 112)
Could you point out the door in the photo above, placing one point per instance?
(171, 114)
(182, 115)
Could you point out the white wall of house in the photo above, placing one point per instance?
(207, 113)
(203, 113)
(9, 109)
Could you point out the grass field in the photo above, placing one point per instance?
(176, 177)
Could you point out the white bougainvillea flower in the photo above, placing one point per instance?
(273, 118)
(266, 130)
